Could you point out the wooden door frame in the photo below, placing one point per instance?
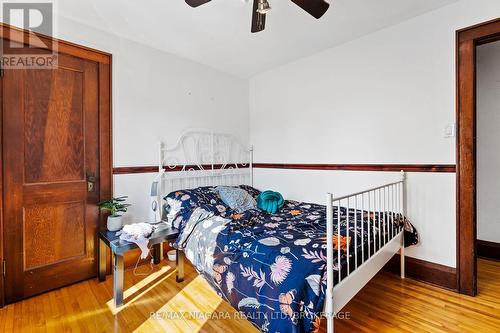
(104, 61)
(467, 41)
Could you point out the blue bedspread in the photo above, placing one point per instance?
(272, 268)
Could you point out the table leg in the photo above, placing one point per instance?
(156, 254)
(102, 260)
(118, 280)
(180, 266)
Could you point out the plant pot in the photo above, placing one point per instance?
(114, 223)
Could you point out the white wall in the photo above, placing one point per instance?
(431, 200)
(488, 142)
(383, 98)
(156, 96)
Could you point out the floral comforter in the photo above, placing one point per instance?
(272, 268)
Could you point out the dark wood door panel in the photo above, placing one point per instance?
(42, 279)
(43, 176)
(53, 233)
(53, 140)
(54, 192)
(51, 120)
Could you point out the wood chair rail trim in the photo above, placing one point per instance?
(445, 168)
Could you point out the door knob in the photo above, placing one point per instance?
(91, 179)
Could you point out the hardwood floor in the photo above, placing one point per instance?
(386, 304)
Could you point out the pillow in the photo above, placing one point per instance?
(270, 201)
(179, 204)
(251, 190)
(236, 198)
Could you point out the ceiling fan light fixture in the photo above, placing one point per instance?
(263, 7)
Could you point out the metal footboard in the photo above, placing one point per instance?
(384, 208)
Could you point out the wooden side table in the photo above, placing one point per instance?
(119, 247)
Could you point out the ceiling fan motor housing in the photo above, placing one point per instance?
(263, 7)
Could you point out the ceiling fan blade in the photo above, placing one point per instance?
(314, 7)
(258, 19)
(196, 3)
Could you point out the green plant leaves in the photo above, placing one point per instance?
(115, 205)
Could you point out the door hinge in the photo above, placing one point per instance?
(4, 268)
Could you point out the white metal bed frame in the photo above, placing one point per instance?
(204, 158)
(207, 158)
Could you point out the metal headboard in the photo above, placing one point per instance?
(203, 157)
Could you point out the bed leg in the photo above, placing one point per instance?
(330, 323)
(329, 311)
(402, 261)
(329, 264)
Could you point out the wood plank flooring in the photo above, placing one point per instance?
(386, 304)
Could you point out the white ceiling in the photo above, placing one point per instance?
(217, 34)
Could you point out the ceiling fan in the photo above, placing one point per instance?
(261, 7)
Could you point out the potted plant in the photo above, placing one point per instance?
(115, 206)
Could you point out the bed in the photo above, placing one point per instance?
(278, 270)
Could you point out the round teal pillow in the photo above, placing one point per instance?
(270, 201)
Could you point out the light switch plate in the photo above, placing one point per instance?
(450, 131)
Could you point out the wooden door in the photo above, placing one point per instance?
(50, 148)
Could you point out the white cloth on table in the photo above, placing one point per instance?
(139, 234)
